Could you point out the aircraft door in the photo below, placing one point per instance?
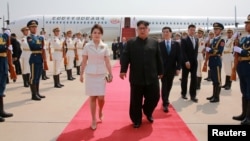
(127, 22)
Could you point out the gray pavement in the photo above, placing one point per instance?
(44, 120)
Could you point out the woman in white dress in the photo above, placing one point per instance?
(95, 66)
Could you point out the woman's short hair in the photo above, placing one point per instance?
(97, 26)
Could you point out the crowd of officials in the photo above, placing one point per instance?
(147, 59)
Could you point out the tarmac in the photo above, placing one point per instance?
(45, 120)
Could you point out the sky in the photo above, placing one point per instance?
(218, 8)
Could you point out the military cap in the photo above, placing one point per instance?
(24, 28)
(218, 25)
(69, 31)
(177, 34)
(56, 29)
(211, 33)
(248, 19)
(200, 30)
(32, 23)
(230, 30)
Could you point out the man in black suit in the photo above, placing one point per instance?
(122, 45)
(114, 49)
(17, 51)
(143, 56)
(189, 46)
(171, 56)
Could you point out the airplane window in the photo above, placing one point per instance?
(57, 22)
(46, 22)
(87, 22)
(225, 23)
(152, 22)
(174, 23)
(105, 22)
(67, 22)
(84, 22)
(91, 22)
(53, 22)
(170, 23)
(77, 22)
(60, 22)
(98, 22)
(49, 22)
(177, 23)
(70, 22)
(74, 22)
(81, 22)
(102, 22)
(159, 22)
(156, 22)
(63, 22)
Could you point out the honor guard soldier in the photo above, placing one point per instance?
(215, 52)
(36, 45)
(210, 37)
(243, 70)
(25, 57)
(227, 59)
(42, 33)
(70, 55)
(57, 44)
(4, 45)
(200, 58)
(79, 44)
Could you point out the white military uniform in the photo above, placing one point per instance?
(200, 59)
(70, 53)
(227, 56)
(56, 43)
(79, 46)
(25, 56)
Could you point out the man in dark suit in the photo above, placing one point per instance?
(171, 56)
(189, 46)
(122, 45)
(17, 51)
(143, 56)
(114, 49)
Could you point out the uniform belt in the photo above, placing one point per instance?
(214, 55)
(36, 52)
(227, 52)
(244, 58)
(26, 49)
(3, 54)
(57, 49)
(71, 48)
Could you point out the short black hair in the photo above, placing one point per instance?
(191, 26)
(145, 23)
(166, 27)
(97, 26)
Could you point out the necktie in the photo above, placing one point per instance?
(168, 47)
(193, 40)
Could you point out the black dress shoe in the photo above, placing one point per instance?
(184, 97)
(137, 125)
(214, 100)
(209, 98)
(150, 119)
(165, 109)
(194, 100)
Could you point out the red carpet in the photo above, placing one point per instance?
(116, 125)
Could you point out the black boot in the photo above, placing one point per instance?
(25, 80)
(44, 76)
(7, 80)
(59, 81)
(211, 97)
(244, 110)
(208, 76)
(198, 86)
(69, 75)
(3, 114)
(38, 94)
(228, 82)
(28, 79)
(225, 83)
(78, 70)
(1, 119)
(56, 81)
(34, 92)
(216, 97)
(246, 120)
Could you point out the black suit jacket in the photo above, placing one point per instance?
(144, 59)
(172, 61)
(188, 51)
(121, 47)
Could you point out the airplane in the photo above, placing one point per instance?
(113, 24)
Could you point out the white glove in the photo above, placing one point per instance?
(237, 49)
(7, 32)
(10, 47)
(208, 49)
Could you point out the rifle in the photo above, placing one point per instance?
(204, 69)
(236, 56)
(64, 53)
(45, 65)
(12, 70)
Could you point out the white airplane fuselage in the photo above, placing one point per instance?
(112, 24)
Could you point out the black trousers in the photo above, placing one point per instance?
(17, 66)
(114, 55)
(150, 94)
(167, 83)
(184, 81)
